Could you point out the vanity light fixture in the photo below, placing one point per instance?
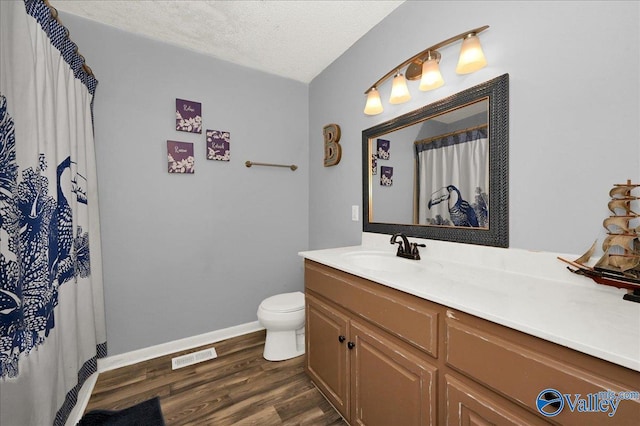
(425, 67)
(399, 90)
(431, 75)
(374, 104)
(471, 56)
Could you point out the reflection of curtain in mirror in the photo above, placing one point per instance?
(453, 179)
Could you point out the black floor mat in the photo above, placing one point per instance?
(147, 413)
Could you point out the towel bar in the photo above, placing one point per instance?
(251, 163)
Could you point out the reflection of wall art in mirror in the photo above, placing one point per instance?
(452, 169)
(374, 164)
(384, 149)
(180, 157)
(386, 176)
(188, 116)
(218, 145)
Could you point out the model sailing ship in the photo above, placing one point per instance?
(619, 266)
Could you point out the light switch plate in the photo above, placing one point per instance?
(355, 214)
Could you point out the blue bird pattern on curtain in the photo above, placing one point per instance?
(461, 212)
(44, 250)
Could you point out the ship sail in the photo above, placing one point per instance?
(618, 262)
(624, 263)
(622, 204)
(587, 256)
(620, 225)
(627, 242)
(622, 190)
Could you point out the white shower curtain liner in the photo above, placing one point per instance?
(52, 327)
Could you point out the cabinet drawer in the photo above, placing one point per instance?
(522, 374)
(470, 404)
(403, 315)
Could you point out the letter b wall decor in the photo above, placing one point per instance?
(332, 148)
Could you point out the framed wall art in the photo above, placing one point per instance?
(218, 145)
(180, 157)
(188, 116)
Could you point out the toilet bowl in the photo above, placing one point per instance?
(282, 316)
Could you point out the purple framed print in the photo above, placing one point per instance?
(218, 145)
(188, 116)
(180, 157)
(383, 149)
(386, 176)
(374, 164)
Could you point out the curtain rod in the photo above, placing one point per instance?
(54, 15)
(444, 135)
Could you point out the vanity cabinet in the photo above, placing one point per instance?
(385, 357)
(369, 375)
(519, 367)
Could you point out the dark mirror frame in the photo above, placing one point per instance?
(497, 91)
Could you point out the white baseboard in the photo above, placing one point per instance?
(129, 358)
(144, 354)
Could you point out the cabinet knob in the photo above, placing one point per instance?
(351, 345)
(341, 339)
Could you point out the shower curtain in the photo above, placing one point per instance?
(453, 179)
(52, 327)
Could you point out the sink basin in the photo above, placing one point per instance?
(382, 261)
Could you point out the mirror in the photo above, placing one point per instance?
(441, 171)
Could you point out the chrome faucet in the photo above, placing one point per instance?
(405, 248)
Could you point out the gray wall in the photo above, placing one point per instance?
(574, 107)
(184, 255)
(188, 254)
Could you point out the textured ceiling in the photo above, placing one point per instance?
(293, 39)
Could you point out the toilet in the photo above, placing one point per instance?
(283, 317)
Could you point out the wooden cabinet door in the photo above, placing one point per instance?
(326, 349)
(389, 385)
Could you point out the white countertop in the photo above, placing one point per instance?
(531, 292)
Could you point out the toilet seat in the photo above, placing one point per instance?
(285, 302)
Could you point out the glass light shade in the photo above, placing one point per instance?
(399, 90)
(471, 56)
(374, 104)
(431, 76)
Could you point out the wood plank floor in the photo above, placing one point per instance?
(238, 388)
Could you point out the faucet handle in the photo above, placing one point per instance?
(414, 247)
(414, 250)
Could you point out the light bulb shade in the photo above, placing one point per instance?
(374, 104)
(431, 76)
(399, 90)
(471, 55)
